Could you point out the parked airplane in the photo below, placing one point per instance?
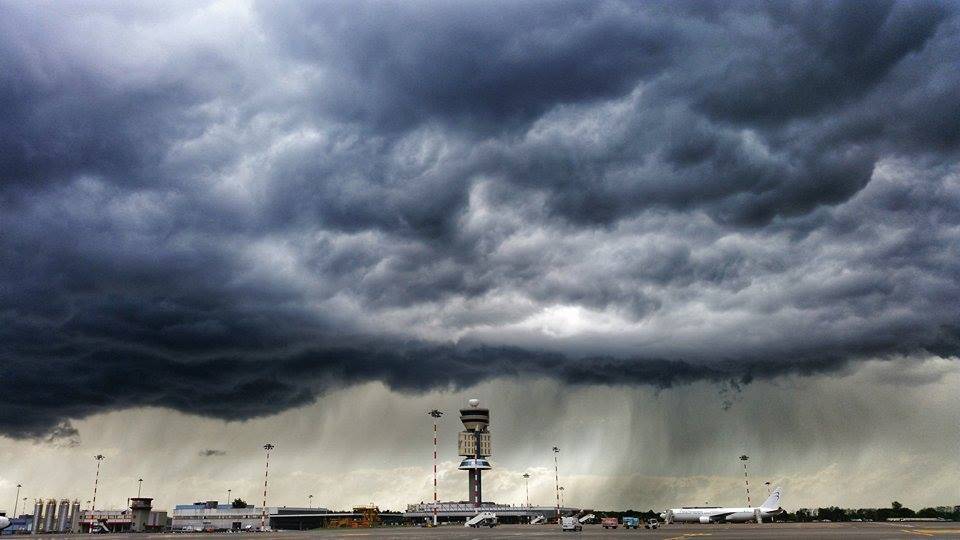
(769, 508)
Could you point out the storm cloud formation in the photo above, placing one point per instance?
(227, 209)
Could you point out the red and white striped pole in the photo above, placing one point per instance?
(556, 471)
(96, 481)
(746, 479)
(435, 414)
(266, 475)
(526, 481)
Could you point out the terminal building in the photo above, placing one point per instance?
(122, 521)
(210, 516)
(452, 512)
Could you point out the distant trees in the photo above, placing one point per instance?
(833, 513)
(896, 510)
(238, 503)
(929, 513)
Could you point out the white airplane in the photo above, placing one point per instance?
(4, 522)
(706, 514)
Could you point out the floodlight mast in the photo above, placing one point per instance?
(96, 481)
(526, 480)
(556, 472)
(435, 413)
(746, 479)
(266, 475)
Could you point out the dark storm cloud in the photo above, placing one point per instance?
(232, 388)
(491, 65)
(228, 211)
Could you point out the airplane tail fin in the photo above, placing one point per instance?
(773, 501)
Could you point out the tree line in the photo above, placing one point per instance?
(895, 511)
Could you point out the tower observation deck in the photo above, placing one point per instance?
(474, 446)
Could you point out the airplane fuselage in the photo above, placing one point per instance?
(719, 515)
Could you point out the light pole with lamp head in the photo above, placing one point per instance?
(746, 479)
(266, 475)
(435, 413)
(556, 476)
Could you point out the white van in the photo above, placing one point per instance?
(570, 524)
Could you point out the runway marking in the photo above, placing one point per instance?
(918, 533)
(940, 531)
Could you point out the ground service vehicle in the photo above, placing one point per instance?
(652, 523)
(610, 523)
(483, 519)
(570, 524)
(631, 522)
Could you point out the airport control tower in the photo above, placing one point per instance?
(474, 445)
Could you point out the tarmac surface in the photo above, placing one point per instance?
(668, 532)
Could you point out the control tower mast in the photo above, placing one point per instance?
(474, 445)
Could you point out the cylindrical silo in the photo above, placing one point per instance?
(75, 517)
(49, 516)
(63, 516)
(38, 516)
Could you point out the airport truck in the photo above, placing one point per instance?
(631, 522)
(610, 523)
(570, 524)
(652, 523)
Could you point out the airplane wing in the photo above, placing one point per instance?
(720, 516)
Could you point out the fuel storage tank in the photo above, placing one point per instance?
(63, 516)
(49, 516)
(38, 516)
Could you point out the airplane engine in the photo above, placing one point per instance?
(704, 519)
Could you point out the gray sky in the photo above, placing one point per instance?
(230, 222)
(885, 431)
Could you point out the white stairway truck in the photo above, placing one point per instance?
(587, 518)
(482, 519)
(539, 519)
